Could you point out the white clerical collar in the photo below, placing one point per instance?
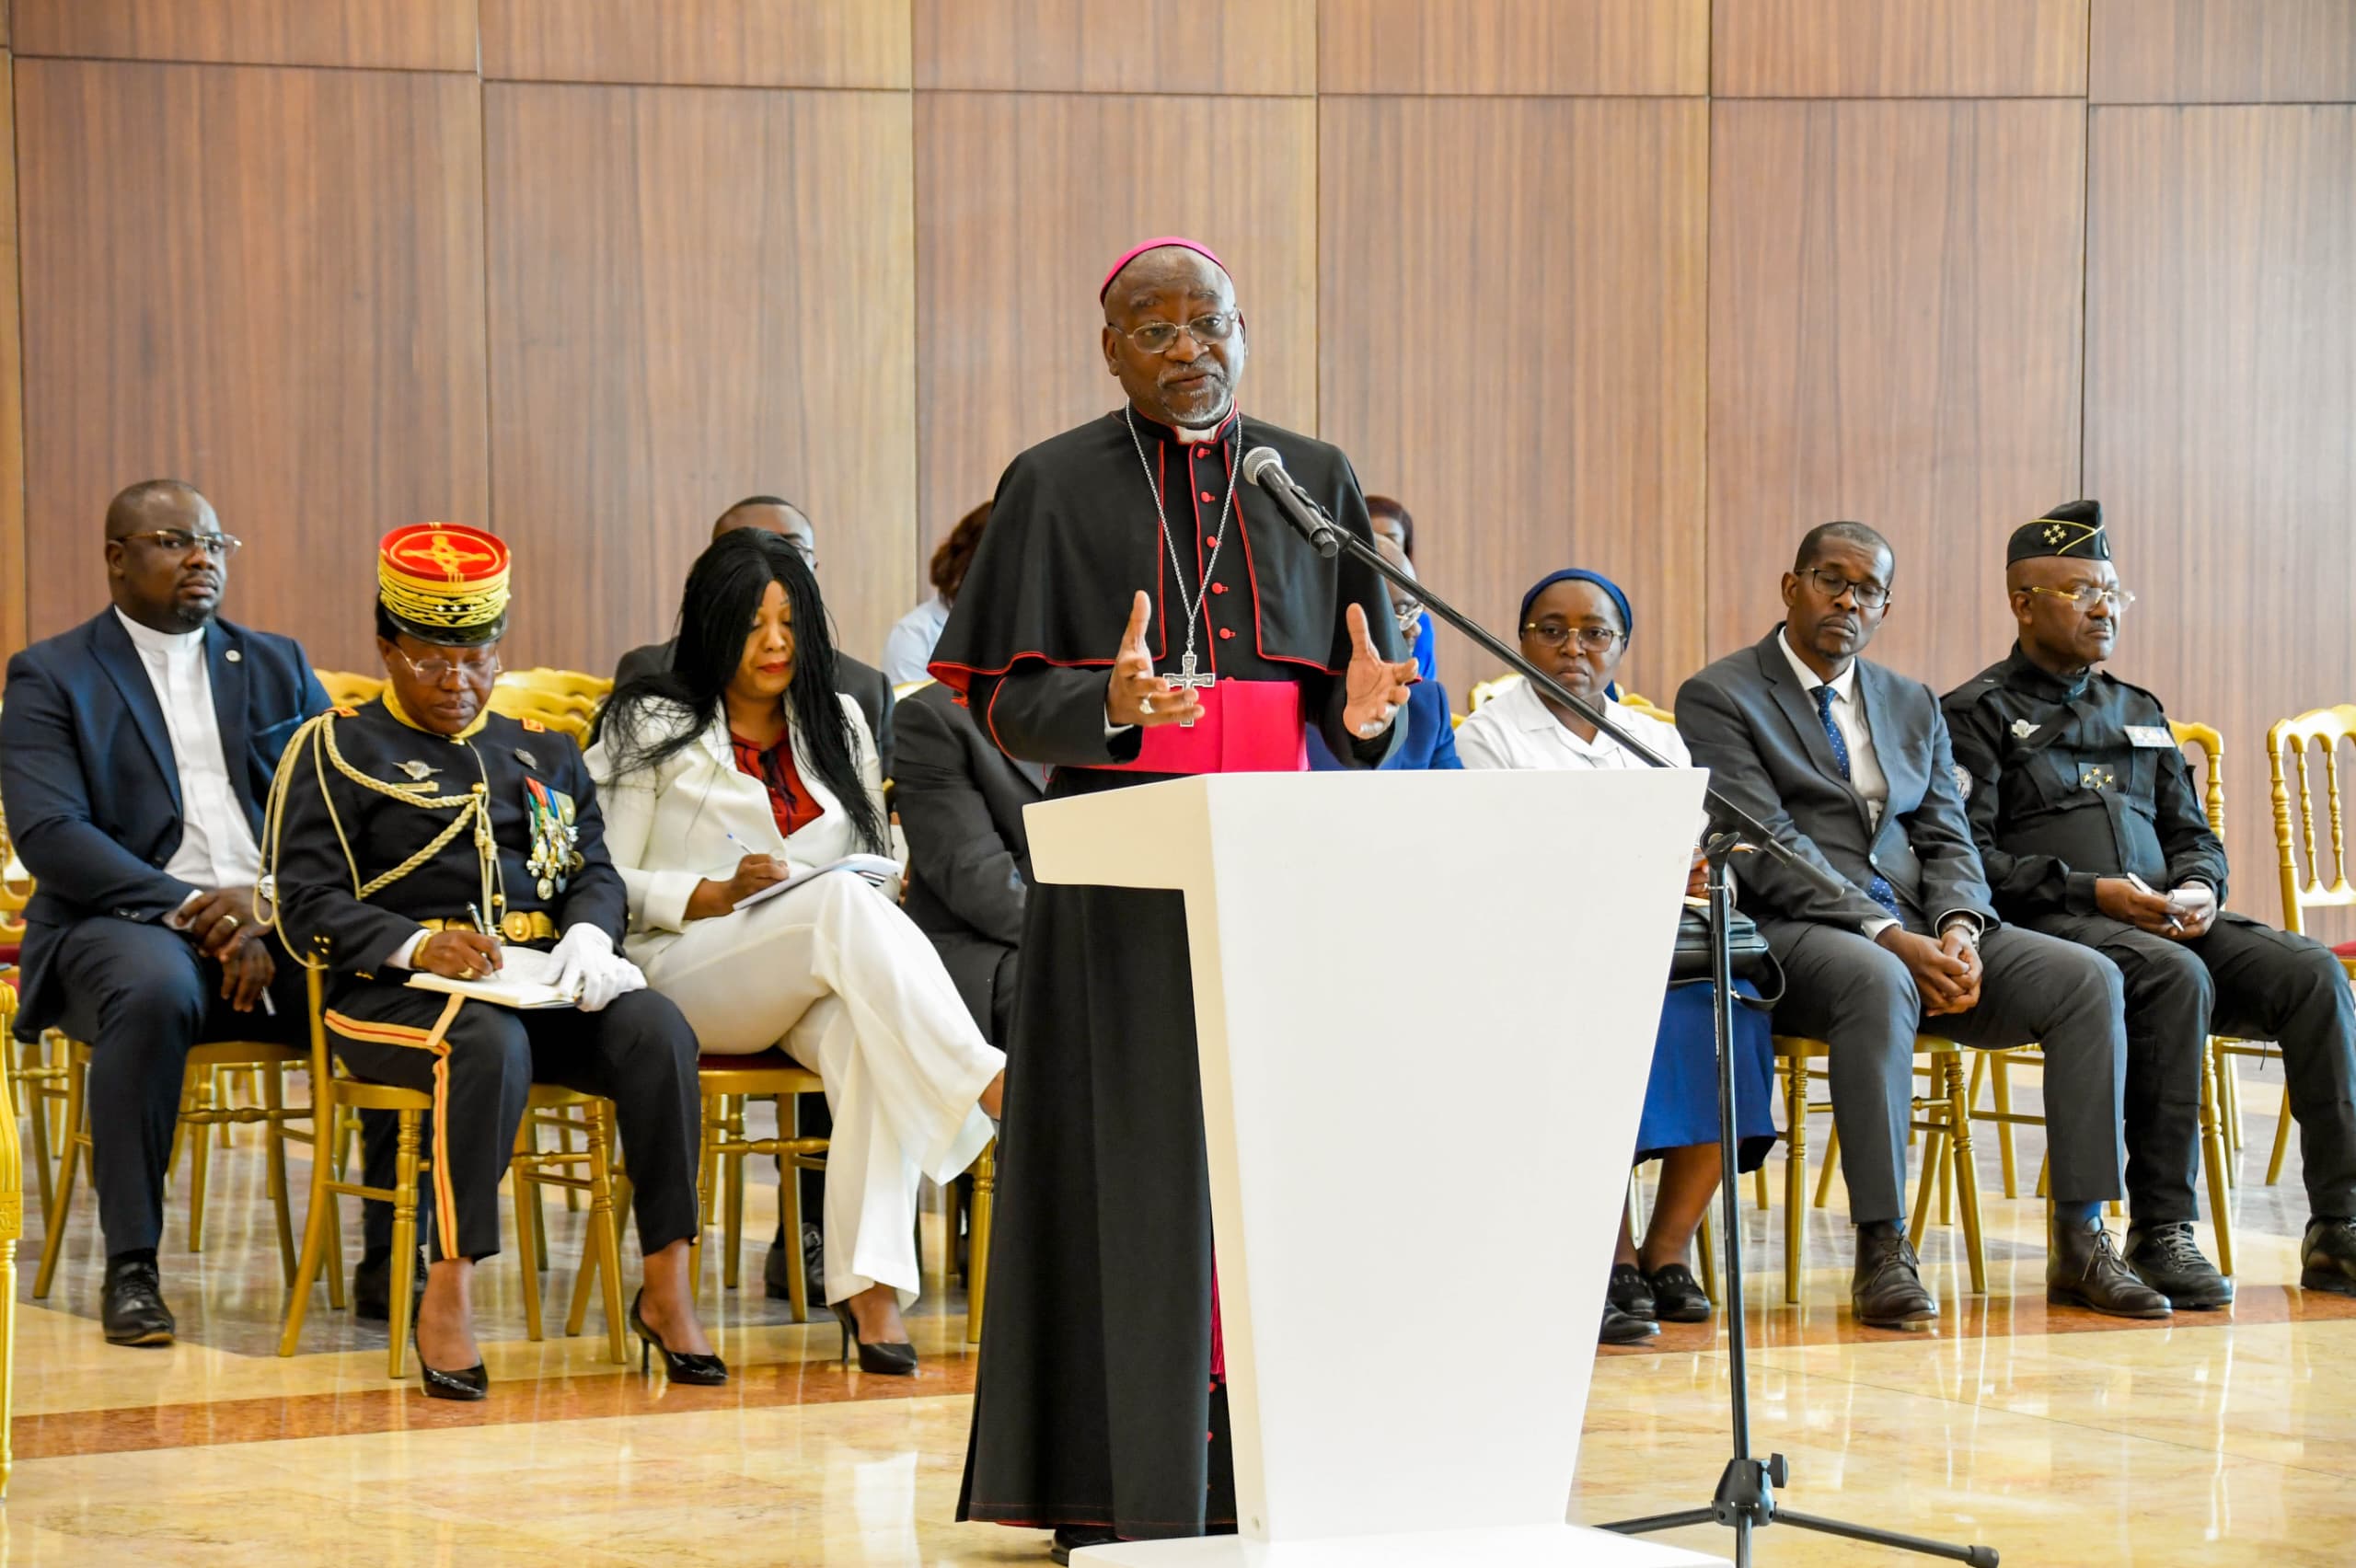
(163, 644)
(1845, 685)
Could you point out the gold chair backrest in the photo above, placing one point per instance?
(2288, 743)
(2211, 747)
(573, 716)
(561, 683)
(1490, 690)
(905, 688)
(347, 688)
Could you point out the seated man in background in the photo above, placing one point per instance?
(1849, 765)
(136, 750)
(2093, 831)
(960, 802)
(1427, 741)
(908, 649)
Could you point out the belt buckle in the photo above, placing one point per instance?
(516, 926)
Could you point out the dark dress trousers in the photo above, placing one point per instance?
(2069, 780)
(638, 1052)
(1750, 721)
(960, 802)
(93, 798)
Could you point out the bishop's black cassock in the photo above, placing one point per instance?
(1099, 1379)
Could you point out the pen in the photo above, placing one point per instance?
(484, 926)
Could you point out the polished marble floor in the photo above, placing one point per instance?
(2060, 1438)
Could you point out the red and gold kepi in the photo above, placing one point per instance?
(443, 583)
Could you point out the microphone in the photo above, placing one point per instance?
(1264, 468)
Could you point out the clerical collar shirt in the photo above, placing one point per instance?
(1849, 718)
(217, 847)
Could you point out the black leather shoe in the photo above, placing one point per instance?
(680, 1366)
(1070, 1540)
(1620, 1327)
(134, 1310)
(2166, 1258)
(372, 1287)
(2327, 1256)
(2083, 1269)
(1886, 1291)
(774, 1283)
(1677, 1297)
(1629, 1292)
(473, 1383)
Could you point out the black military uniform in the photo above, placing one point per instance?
(381, 827)
(2070, 778)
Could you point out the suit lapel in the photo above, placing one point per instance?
(1879, 694)
(1807, 722)
(120, 659)
(228, 677)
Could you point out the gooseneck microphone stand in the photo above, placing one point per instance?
(1744, 1500)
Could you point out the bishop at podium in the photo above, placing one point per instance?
(1136, 613)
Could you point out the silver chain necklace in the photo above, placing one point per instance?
(1186, 676)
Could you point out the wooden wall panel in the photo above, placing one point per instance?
(13, 586)
(697, 296)
(1894, 329)
(1625, 47)
(2223, 51)
(2221, 392)
(410, 35)
(775, 44)
(1119, 46)
(1900, 48)
(1023, 200)
(1513, 345)
(266, 281)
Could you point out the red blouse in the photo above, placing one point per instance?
(790, 803)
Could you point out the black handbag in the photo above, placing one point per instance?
(1747, 955)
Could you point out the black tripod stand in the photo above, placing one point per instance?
(1744, 1500)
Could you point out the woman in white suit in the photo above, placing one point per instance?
(737, 768)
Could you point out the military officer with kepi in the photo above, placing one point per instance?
(2091, 830)
(424, 832)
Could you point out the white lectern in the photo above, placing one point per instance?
(1426, 1003)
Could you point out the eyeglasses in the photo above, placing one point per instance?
(1159, 337)
(2088, 595)
(179, 541)
(1592, 639)
(434, 671)
(1831, 584)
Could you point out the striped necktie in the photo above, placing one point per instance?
(1878, 890)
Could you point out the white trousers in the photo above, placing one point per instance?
(855, 993)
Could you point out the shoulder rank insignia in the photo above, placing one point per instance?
(554, 834)
(533, 726)
(2023, 729)
(2095, 776)
(347, 714)
(419, 771)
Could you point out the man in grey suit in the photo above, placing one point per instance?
(1850, 765)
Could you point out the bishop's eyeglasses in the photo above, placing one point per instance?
(1160, 337)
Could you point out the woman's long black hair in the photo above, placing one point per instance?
(723, 594)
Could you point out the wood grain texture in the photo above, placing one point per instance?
(409, 35)
(2220, 390)
(1267, 46)
(1021, 203)
(1632, 48)
(1513, 312)
(1900, 48)
(697, 296)
(1894, 326)
(771, 43)
(12, 573)
(268, 283)
(2223, 51)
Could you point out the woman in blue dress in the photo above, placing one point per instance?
(1575, 626)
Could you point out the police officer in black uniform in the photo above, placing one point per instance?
(424, 832)
(2091, 830)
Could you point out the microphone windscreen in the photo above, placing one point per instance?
(1259, 460)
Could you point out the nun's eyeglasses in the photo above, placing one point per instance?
(1592, 639)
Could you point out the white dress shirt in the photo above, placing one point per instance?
(217, 847)
(1515, 729)
(1849, 718)
(908, 649)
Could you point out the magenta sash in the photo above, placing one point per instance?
(1246, 727)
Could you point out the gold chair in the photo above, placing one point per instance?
(727, 1082)
(573, 716)
(347, 688)
(273, 1114)
(559, 683)
(12, 1229)
(334, 1091)
(1947, 1154)
(2322, 731)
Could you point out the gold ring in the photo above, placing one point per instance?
(229, 921)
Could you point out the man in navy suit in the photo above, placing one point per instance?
(1851, 763)
(135, 755)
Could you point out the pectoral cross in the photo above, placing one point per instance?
(1188, 680)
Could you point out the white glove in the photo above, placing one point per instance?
(586, 962)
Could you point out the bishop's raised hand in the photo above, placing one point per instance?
(1135, 695)
(1377, 687)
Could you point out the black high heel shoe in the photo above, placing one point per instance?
(883, 1360)
(679, 1365)
(472, 1384)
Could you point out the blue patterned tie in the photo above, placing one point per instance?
(1878, 890)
